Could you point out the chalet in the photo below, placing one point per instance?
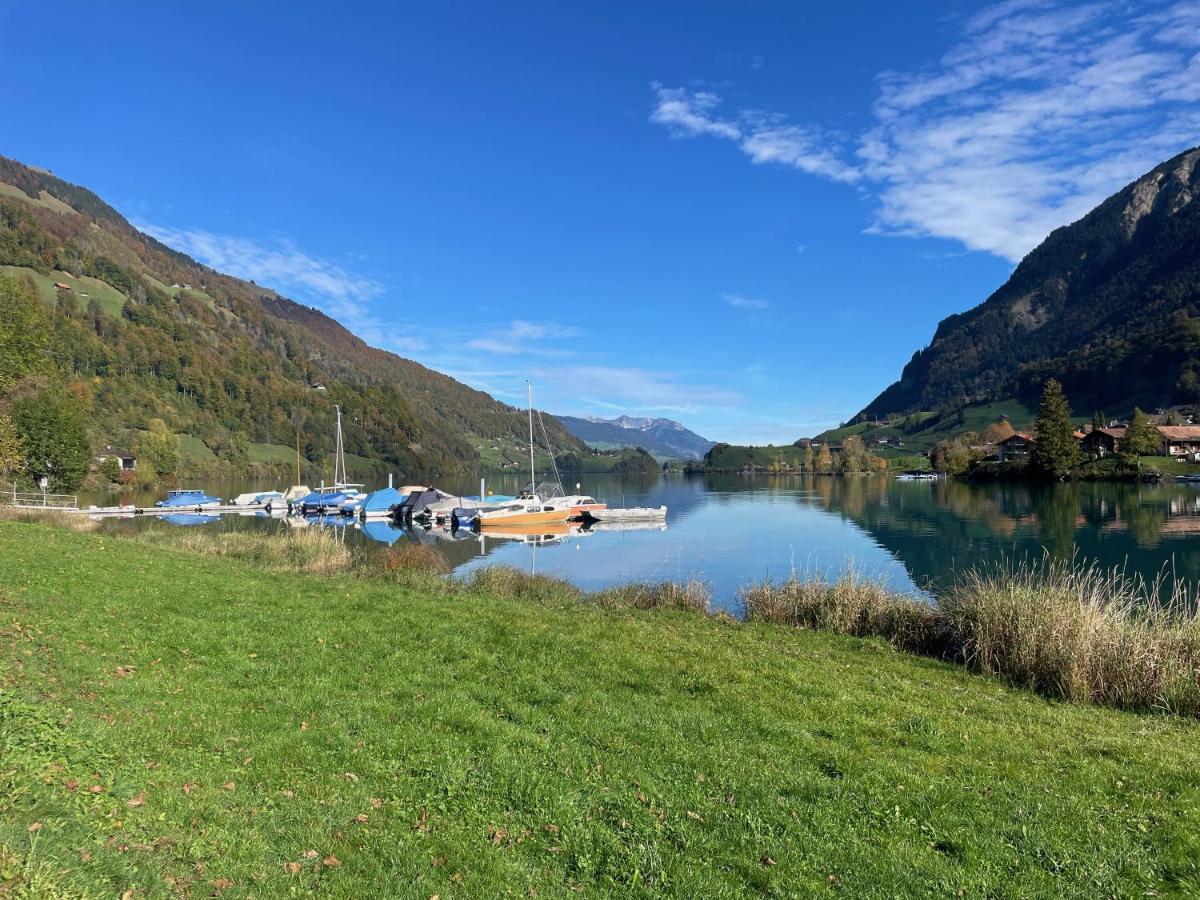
(1181, 442)
(1016, 446)
(62, 287)
(126, 460)
(1103, 442)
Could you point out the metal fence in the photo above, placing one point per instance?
(39, 499)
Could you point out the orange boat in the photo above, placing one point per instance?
(524, 512)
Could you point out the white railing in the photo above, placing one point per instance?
(40, 499)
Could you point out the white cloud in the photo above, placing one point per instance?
(521, 337)
(282, 266)
(763, 137)
(1035, 114)
(741, 301)
(633, 390)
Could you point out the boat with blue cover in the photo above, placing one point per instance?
(188, 499)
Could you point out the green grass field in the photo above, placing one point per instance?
(175, 724)
(86, 288)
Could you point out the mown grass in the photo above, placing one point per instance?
(173, 723)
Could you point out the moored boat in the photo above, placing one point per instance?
(188, 499)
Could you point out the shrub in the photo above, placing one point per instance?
(693, 596)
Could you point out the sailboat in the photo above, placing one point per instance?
(537, 504)
(329, 498)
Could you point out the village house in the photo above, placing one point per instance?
(126, 460)
(1181, 442)
(1101, 442)
(1017, 446)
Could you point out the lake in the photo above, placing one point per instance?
(730, 530)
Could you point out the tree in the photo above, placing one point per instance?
(1097, 420)
(1056, 451)
(12, 457)
(854, 454)
(808, 458)
(51, 429)
(24, 332)
(158, 448)
(824, 460)
(997, 432)
(1142, 438)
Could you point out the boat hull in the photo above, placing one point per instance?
(540, 517)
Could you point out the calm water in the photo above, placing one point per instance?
(730, 531)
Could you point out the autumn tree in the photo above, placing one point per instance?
(854, 455)
(12, 458)
(1142, 438)
(158, 448)
(997, 432)
(824, 460)
(808, 458)
(24, 332)
(1056, 451)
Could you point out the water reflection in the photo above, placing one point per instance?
(731, 530)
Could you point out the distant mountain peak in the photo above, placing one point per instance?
(664, 438)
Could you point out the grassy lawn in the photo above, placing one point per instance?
(173, 723)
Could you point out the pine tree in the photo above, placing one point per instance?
(1097, 420)
(1056, 451)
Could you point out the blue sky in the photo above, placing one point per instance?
(743, 216)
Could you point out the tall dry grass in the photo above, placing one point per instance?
(310, 550)
(689, 596)
(851, 605)
(1080, 633)
(57, 518)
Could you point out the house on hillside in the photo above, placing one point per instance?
(1101, 442)
(126, 460)
(61, 286)
(1181, 442)
(1016, 446)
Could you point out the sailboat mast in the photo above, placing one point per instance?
(532, 475)
(339, 457)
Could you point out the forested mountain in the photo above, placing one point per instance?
(141, 332)
(1110, 306)
(662, 438)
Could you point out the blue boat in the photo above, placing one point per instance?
(379, 504)
(188, 499)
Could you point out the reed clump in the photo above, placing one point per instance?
(56, 518)
(851, 605)
(1080, 633)
(690, 596)
(507, 581)
(304, 550)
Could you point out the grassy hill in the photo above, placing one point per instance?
(146, 332)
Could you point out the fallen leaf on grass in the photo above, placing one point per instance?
(766, 860)
(221, 884)
(422, 823)
(122, 671)
(361, 818)
(291, 868)
(304, 726)
(288, 793)
(696, 816)
(553, 829)
(497, 834)
(229, 785)
(137, 800)
(36, 826)
(376, 803)
(96, 789)
(350, 776)
(311, 854)
(72, 784)
(189, 786)
(331, 861)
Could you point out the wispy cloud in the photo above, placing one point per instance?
(282, 266)
(1036, 113)
(637, 390)
(522, 337)
(740, 301)
(764, 137)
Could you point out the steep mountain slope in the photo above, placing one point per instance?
(662, 438)
(148, 332)
(1109, 305)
